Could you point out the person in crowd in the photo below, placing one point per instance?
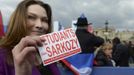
(120, 53)
(104, 56)
(88, 41)
(131, 51)
(18, 49)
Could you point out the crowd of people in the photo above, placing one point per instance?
(121, 53)
(32, 18)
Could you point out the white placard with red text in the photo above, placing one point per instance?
(59, 45)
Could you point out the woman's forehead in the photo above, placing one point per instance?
(37, 10)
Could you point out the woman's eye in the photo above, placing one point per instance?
(45, 20)
(31, 17)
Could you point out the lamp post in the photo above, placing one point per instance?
(106, 30)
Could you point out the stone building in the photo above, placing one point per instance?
(112, 32)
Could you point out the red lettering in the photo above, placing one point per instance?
(58, 47)
(68, 45)
(52, 39)
(43, 53)
(73, 33)
(72, 43)
(54, 51)
(63, 46)
(56, 37)
(62, 36)
(48, 51)
(76, 42)
(65, 34)
(47, 38)
(68, 32)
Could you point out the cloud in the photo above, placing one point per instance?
(119, 13)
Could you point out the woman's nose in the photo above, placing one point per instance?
(39, 28)
(39, 25)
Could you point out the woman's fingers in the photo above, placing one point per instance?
(28, 52)
(38, 40)
(35, 40)
(23, 54)
(26, 46)
(29, 41)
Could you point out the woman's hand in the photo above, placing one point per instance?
(24, 54)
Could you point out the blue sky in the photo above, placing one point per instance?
(119, 13)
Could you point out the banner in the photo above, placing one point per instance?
(58, 46)
(80, 64)
(1, 26)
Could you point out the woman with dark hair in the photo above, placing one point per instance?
(18, 49)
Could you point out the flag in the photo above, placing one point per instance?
(1, 26)
(80, 64)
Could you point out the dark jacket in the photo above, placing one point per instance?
(102, 60)
(88, 41)
(121, 55)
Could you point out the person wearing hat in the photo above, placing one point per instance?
(88, 41)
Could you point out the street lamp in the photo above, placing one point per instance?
(106, 26)
(106, 30)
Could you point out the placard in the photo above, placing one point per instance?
(59, 45)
